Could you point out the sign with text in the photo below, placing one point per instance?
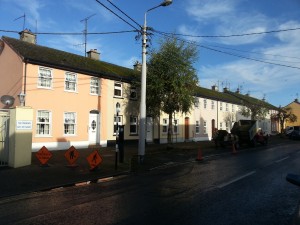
(72, 155)
(94, 159)
(43, 155)
(24, 125)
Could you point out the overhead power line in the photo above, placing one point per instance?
(117, 15)
(231, 35)
(124, 14)
(230, 53)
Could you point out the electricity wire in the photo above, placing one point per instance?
(117, 15)
(229, 53)
(231, 35)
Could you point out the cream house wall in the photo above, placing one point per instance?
(129, 107)
(11, 71)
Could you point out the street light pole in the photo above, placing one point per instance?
(117, 134)
(142, 125)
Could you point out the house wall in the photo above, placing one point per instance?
(58, 101)
(295, 109)
(11, 70)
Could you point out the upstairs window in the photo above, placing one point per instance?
(212, 105)
(45, 77)
(118, 89)
(95, 86)
(133, 94)
(71, 82)
(204, 103)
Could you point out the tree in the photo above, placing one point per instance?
(284, 114)
(171, 78)
(254, 111)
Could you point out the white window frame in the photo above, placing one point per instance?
(41, 125)
(68, 82)
(204, 127)
(44, 79)
(175, 126)
(70, 118)
(133, 93)
(133, 123)
(197, 127)
(232, 107)
(165, 125)
(221, 126)
(226, 107)
(95, 86)
(118, 87)
(221, 106)
(196, 102)
(205, 103)
(227, 125)
(212, 105)
(120, 122)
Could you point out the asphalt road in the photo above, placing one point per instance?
(247, 188)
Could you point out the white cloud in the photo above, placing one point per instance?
(207, 10)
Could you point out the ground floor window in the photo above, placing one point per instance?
(204, 127)
(70, 123)
(197, 127)
(133, 124)
(43, 122)
(117, 121)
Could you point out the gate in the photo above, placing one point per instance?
(4, 137)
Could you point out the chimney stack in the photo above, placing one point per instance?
(214, 88)
(93, 54)
(28, 36)
(137, 66)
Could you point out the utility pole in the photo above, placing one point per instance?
(85, 20)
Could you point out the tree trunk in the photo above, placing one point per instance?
(170, 129)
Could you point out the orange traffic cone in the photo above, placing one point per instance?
(233, 149)
(199, 157)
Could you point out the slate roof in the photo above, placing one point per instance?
(54, 58)
(232, 97)
(45, 56)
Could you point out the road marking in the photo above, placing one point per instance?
(280, 160)
(236, 179)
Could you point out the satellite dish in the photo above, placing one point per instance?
(7, 100)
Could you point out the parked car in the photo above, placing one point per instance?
(290, 129)
(295, 135)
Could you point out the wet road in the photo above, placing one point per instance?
(248, 188)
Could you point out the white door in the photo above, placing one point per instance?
(94, 134)
(149, 129)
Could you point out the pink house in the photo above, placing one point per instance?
(74, 98)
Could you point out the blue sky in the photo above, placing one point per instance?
(216, 65)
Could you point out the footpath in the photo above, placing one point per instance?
(58, 173)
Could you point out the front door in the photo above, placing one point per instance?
(149, 130)
(94, 131)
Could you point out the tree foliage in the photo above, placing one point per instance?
(171, 78)
(254, 111)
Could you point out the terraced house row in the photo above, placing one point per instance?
(75, 99)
